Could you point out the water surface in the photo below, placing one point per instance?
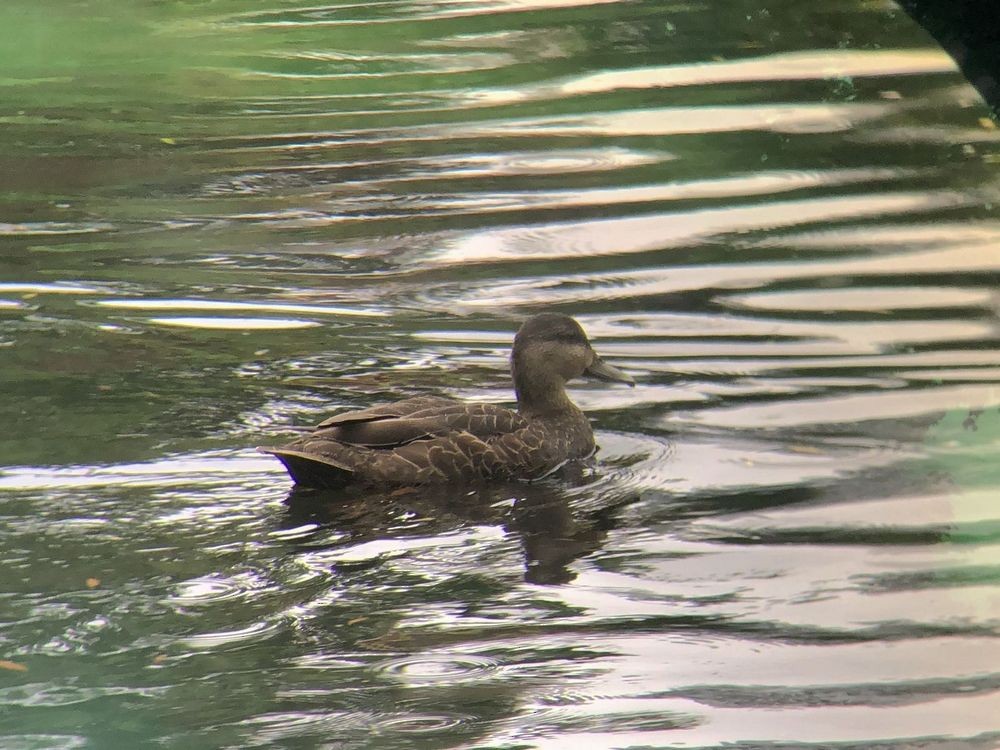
(223, 220)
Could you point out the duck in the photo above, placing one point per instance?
(439, 440)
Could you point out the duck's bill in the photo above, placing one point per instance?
(603, 371)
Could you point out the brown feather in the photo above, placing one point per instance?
(434, 439)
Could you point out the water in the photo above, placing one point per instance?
(221, 220)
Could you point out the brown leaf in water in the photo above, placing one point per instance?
(402, 491)
(13, 666)
(808, 450)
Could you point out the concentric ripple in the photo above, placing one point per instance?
(439, 668)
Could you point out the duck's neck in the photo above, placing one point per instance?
(541, 394)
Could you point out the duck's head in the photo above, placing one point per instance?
(549, 350)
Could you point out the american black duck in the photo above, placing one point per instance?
(432, 439)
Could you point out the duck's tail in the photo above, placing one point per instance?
(311, 470)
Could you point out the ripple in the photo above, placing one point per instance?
(235, 324)
(54, 288)
(392, 11)
(44, 694)
(419, 723)
(788, 66)
(328, 662)
(204, 304)
(650, 663)
(207, 590)
(759, 183)
(274, 727)
(638, 460)
(526, 163)
(776, 118)
(934, 135)
(881, 363)
(637, 234)
(697, 462)
(438, 668)
(44, 741)
(848, 409)
(824, 65)
(588, 288)
(868, 726)
(480, 7)
(252, 633)
(196, 468)
(42, 228)
(866, 299)
(889, 236)
(305, 531)
(266, 179)
(904, 514)
(954, 374)
(669, 334)
(343, 65)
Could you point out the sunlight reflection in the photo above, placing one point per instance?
(173, 470)
(849, 409)
(204, 304)
(787, 66)
(53, 288)
(600, 287)
(778, 118)
(235, 324)
(864, 299)
(635, 234)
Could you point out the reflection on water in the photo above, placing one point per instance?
(221, 223)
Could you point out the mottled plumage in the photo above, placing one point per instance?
(435, 439)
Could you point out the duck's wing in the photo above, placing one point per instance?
(396, 409)
(527, 452)
(422, 439)
(419, 418)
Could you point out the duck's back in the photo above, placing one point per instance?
(434, 439)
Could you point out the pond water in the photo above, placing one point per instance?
(223, 219)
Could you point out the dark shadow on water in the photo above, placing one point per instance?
(546, 518)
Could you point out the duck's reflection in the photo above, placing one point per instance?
(553, 536)
(545, 516)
